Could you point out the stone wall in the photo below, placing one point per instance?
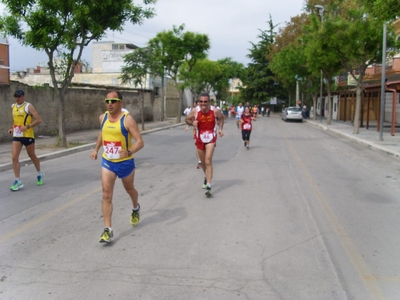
(83, 106)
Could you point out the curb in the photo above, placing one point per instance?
(56, 154)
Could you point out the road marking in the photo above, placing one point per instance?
(47, 216)
(368, 279)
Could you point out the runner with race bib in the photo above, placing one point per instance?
(204, 119)
(247, 126)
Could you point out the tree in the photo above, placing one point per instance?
(65, 28)
(138, 66)
(203, 76)
(259, 83)
(174, 48)
(321, 55)
(288, 59)
(357, 39)
(212, 76)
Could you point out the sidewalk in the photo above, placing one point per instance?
(83, 140)
(366, 137)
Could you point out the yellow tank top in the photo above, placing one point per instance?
(21, 118)
(115, 137)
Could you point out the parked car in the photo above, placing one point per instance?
(292, 113)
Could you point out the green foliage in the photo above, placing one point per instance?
(211, 76)
(385, 10)
(138, 64)
(260, 83)
(174, 48)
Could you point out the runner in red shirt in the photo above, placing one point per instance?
(205, 118)
(247, 126)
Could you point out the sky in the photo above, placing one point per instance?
(230, 24)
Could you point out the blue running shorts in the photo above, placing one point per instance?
(122, 168)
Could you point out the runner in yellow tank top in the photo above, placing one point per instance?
(117, 130)
(25, 117)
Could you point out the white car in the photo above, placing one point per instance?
(292, 113)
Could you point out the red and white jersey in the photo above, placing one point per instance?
(247, 125)
(207, 122)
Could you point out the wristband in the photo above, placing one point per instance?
(129, 153)
(28, 126)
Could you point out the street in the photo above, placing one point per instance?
(302, 215)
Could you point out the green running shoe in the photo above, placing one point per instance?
(135, 216)
(17, 185)
(40, 179)
(106, 236)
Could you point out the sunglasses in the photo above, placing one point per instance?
(203, 101)
(112, 100)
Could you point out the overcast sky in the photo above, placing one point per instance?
(230, 24)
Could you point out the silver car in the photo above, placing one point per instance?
(292, 113)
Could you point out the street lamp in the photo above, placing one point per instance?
(321, 9)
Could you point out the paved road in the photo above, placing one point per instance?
(303, 214)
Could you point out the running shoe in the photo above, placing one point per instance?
(204, 183)
(247, 147)
(208, 191)
(17, 185)
(135, 216)
(40, 178)
(106, 236)
(199, 165)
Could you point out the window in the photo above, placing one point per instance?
(156, 91)
(118, 46)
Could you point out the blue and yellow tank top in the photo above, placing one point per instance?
(21, 118)
(115, 137)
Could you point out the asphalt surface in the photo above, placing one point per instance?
(83, 140)
(304, 214)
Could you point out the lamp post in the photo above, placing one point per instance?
(321, 13)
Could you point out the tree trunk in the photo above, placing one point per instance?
(142, 109)
(315, 97)
(356, 126)
(162, 99)
(180, 104)
(329, 117)
(62, 137)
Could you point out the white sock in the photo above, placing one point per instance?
(209, 185)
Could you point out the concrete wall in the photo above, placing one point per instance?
(82, 107)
